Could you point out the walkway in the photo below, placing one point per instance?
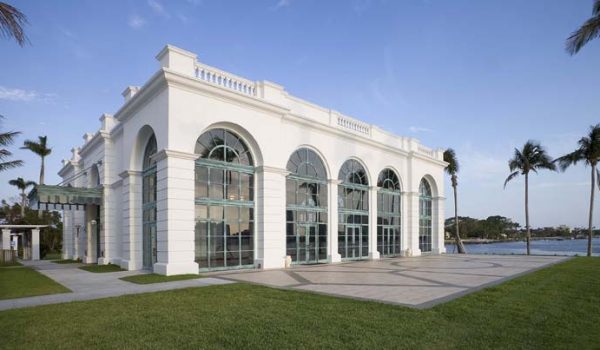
(88, 285)
(419, 282)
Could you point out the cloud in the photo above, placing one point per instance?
(20, 95)
(158, 9)
(136, 22)
(282, 4)
(417, 129)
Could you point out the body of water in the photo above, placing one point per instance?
(538, 247)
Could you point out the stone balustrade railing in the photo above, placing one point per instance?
(353, 124)
(227, 80)
(424, 150)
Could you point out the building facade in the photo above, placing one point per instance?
(204, 170)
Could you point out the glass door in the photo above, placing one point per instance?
(307, 244)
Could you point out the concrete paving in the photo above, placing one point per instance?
(419, 282)
(88, 285)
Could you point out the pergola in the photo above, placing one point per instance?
(35, 238)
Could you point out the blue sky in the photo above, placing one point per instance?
(482, 77)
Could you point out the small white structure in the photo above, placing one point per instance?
(31, 242)
(201, 169)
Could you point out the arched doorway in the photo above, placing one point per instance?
(306, 208)
(353, 211)
(389, 241)
(425, 216)
(149, 204)
(224, 234)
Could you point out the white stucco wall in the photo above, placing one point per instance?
(178, 105)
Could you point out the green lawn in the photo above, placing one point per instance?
(558, 307)
(7, 264)
(102, 268)
(66, 261)
(154, 278)
(53, 256)
(19, 282)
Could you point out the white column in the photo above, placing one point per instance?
(15, 241)
(333, 254)
(6, 238)
(132, 220)
(35, 244)
(67, 235)
(175, 204)
(373, 253)
(437, 225)
(412, 201)
(270, 241)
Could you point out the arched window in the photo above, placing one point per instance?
(224, 201)
(425, 217)
(353, 211)
(149, 204)
(306, 212)
(388, 213)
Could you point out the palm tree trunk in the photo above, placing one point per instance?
(42, 172)
(22, 203)
(589, 247)
(527, 213)
(459, 244)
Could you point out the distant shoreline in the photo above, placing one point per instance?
(489, 241)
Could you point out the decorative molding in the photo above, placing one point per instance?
(128, 173)
(334, 181)
(270, 169)
(166, 153)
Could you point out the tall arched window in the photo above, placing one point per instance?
(149, 205)
(425, 219)
(388, 214)
(306, 212)
(224, 201)
(353, 211)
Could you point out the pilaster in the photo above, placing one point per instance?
(333, 254)
(270, 207)
(175, 214)
(132, 220)
(373, 253)
(412, 244)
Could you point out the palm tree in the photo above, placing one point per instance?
(588, 31)
(531, 158)
(452, 169)
(41, 149)
(589, 152)
(7, 138)
(22, 185)
(11, 23)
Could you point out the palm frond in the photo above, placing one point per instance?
(510, 177)
(11, 23)
(450, 158)
(596, 9)
(10, 165)
(588, 31)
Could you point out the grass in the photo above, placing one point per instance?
(557, 307)
(102, 268)
(19, 282)
(9, 264)
(154, 278)
(66, 261)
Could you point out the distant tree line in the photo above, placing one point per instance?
(498, 227)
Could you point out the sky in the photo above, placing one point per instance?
(482, 77)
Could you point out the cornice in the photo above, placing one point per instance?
(165, 153)
(127, 173)
(271, 169)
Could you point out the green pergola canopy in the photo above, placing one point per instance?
(61, 197)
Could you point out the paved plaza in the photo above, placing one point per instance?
(419, 282)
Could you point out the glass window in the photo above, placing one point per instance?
(306, 213)
(224, 201)
(149, 204)
(425, 216)
(353, 209)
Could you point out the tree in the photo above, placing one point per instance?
(6, 139)
(451, 169)
(22, 186)
(531, 158)
(41, 149)
(11, 23)
(589, 152)
(587, 32)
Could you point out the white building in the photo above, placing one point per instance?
(201, 169)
